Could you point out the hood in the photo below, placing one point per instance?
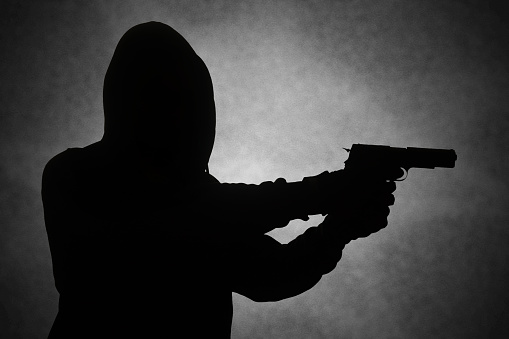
(158, 94)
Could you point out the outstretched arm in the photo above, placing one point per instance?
(257, 209)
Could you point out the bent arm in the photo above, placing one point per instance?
(269, 271)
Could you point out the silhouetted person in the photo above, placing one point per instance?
(146, 243)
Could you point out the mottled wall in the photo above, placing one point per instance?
(295, 81)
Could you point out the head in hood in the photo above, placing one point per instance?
(158, 95)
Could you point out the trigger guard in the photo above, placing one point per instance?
(405, 174)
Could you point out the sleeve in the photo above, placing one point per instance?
(56, 199)
(264, 207)
(267, 270)
(76, 237)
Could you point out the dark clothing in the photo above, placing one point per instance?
(158, 93)
(134, 256)
(144, 242)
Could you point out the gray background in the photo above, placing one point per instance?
(295, 81)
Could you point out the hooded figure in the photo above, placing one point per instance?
(158, 94)
(144, 241)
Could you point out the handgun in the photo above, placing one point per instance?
(382, 159)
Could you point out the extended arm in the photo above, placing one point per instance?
(257, 209)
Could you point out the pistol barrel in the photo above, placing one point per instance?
(430, 157)
(362, 156)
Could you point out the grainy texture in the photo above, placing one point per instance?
(295, 81)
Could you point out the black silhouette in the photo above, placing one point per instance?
(146, 243)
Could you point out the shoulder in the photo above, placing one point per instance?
(60, 169)
(61, 162)
(67, 159)
(57, 175)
